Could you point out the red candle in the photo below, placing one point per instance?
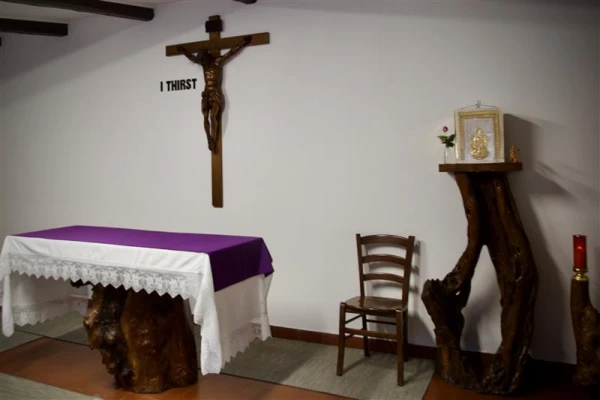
(579, 252)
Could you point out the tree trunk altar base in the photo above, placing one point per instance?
(586, 329)
(494, 221)
(145, 339)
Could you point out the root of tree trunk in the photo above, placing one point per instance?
(145, 339)
(494, 221)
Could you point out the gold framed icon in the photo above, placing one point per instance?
(479, 134)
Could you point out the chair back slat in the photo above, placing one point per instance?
(404, 263)
(385, 239)
(385, 258)
(383, 277)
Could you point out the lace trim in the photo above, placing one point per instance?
(238, 341)
(174, 283)
(30, 315)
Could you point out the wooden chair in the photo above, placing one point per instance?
(379, 306)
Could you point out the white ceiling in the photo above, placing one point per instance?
(21, 11)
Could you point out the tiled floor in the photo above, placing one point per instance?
(77, 368)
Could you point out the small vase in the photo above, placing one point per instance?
(449, 155)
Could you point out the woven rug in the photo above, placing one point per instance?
(17, 339)
(312, 366)
(14, 388)
(294, 363)
(68, 327)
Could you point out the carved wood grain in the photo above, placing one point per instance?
(586, 329)
(493, 220)
(144, 339)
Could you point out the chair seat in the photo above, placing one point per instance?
(373, 304)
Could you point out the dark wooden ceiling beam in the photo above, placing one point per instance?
(94, 7)
(33, 27)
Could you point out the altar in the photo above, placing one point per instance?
(221, 281)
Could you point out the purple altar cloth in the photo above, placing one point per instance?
(233, 258)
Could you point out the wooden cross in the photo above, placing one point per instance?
(212, 62)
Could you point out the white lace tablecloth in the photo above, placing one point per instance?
(36, 275)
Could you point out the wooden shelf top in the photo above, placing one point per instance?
(488, 167)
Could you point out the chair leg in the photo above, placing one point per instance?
(400, 346)
(341, 340)
(405, 334)
(365, 338)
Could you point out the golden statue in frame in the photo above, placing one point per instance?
(479, 145)
(479, 134)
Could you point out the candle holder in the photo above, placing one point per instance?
(585, 320)
(580, 274)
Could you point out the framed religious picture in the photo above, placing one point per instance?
(479, 134)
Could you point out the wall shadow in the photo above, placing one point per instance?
(552, 298)
(416, 326)
(478, 308)
(97, 42)
(530, 11)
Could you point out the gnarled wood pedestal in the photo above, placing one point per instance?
(586, 328)
(494, 221)
(145, 339)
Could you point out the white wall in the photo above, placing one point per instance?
(331, 130)
(2, 113)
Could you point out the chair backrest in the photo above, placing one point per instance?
(404, 262)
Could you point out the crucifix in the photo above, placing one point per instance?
(207, 54)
